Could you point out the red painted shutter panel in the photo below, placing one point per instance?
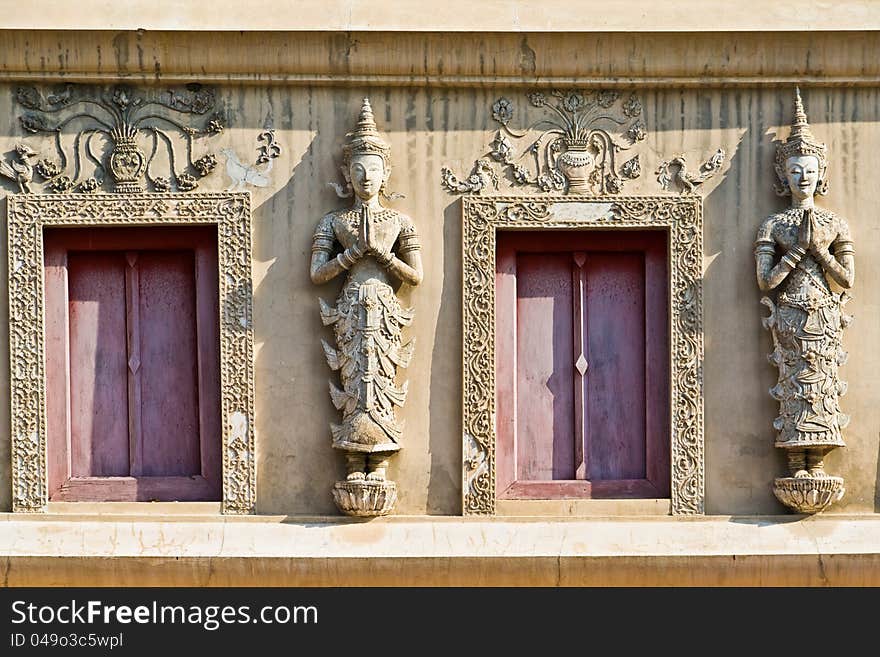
(544, 355)
(615, 320)
(98, 400)
(582, 365)
(169, 384)
(132, 364)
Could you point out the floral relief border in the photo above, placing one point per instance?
(682, 217)
(27, 216)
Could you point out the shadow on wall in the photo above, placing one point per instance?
(296, 467)
(877, 482)
(729, 233)
(446, 368)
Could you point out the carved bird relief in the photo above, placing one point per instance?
(243, 174)
(21, 171)
(687, 180)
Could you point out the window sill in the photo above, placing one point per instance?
(584, 508)
(153, 509)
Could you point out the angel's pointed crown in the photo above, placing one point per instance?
(365, 138)
(801, 140)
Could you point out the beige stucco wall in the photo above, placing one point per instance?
(556, 16)
(432, 95)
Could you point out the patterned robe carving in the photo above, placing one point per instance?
(367, 322)
(806, 322)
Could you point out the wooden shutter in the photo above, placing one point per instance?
(582, 365)
(132, 364)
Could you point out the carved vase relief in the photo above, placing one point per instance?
(805, 262)
(120, 133)
(575, 147)
(373, 247)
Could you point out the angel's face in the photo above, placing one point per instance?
(802, 174)
(367, 174)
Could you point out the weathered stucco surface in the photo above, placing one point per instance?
(432, 95)
(453, 16)
(126, 550)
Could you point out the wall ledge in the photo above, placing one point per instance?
(91, 550)
(444, 59)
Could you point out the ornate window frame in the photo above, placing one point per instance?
(27, 215)
(483, 216)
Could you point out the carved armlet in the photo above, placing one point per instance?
(408, 242)
(843, 247)
(322, 242)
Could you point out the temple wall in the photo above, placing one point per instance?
(432, 93)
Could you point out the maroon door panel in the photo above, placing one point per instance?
(545, 396)
(98, 369)
(169, 428)
(132, 353)
(582, 364)
(615, 391)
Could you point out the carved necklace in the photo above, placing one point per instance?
(793, 216)
(353, 217)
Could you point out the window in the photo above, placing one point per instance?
(132, 364)
(33, 217)
(491, 469)
(582, 364)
